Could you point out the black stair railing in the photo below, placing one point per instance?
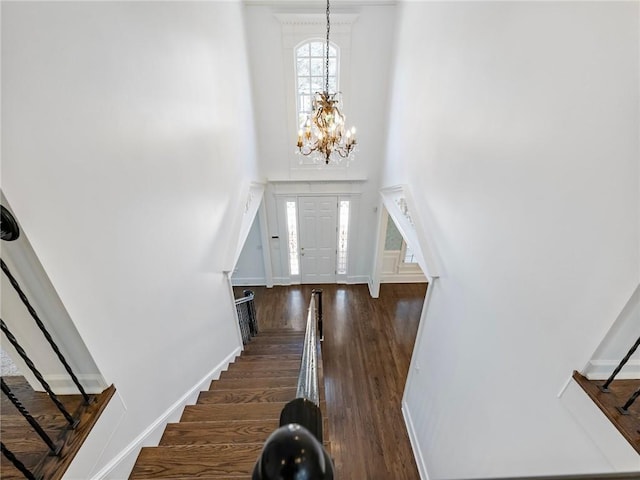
(17, 463)
(246, 309)
(11, 232)
(623, 409)
(295, 450)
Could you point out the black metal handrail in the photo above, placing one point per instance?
(295, 449)
(247, 319)
(624, 409)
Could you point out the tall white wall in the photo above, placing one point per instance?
(515, 126)
(127, 147)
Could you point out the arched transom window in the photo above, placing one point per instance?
(310, 74)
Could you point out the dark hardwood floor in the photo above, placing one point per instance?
(367, 350)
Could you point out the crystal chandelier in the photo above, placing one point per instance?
(324, 136)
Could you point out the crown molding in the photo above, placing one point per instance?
(316, 18)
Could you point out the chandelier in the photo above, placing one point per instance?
(323, 135)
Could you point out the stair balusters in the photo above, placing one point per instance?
(11, 232)
(246, 309)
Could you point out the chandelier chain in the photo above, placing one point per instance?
(326, 65)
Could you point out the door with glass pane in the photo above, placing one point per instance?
(317, 218)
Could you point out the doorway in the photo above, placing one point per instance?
(317, 219)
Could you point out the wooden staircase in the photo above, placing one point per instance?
(223, 434)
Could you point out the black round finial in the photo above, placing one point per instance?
(10, 230)
(293, 453)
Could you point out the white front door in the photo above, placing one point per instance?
(317, 218)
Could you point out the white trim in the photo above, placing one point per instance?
(292, 20)
(62, 384)
(161, 421)
(266, 245)
(249, 205)
(403, 278)
(318, 4)
(357, 279)
(410, 226)
(248, 281)
(415, 446)
(602, 369)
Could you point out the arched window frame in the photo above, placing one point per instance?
(298, 28)
(310, 73)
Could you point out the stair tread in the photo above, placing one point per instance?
(202, 433)
(196, 461)
(232, 383)
(267, 365)
(222, 435)
(259, 373)
(282, 331)
(267, 358)
(267, 348)
(232, 411)
(248, 395)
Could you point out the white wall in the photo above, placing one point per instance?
(516, 127)
(365, 88)
(249, 269)
(127, 136)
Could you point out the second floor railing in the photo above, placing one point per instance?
(623, 409)
(11, 232)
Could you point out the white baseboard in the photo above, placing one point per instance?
(403, 278)
(187, 399)
(602, 369)
(248, 281)
(415, 445)
(63, 385)
(356, 279)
